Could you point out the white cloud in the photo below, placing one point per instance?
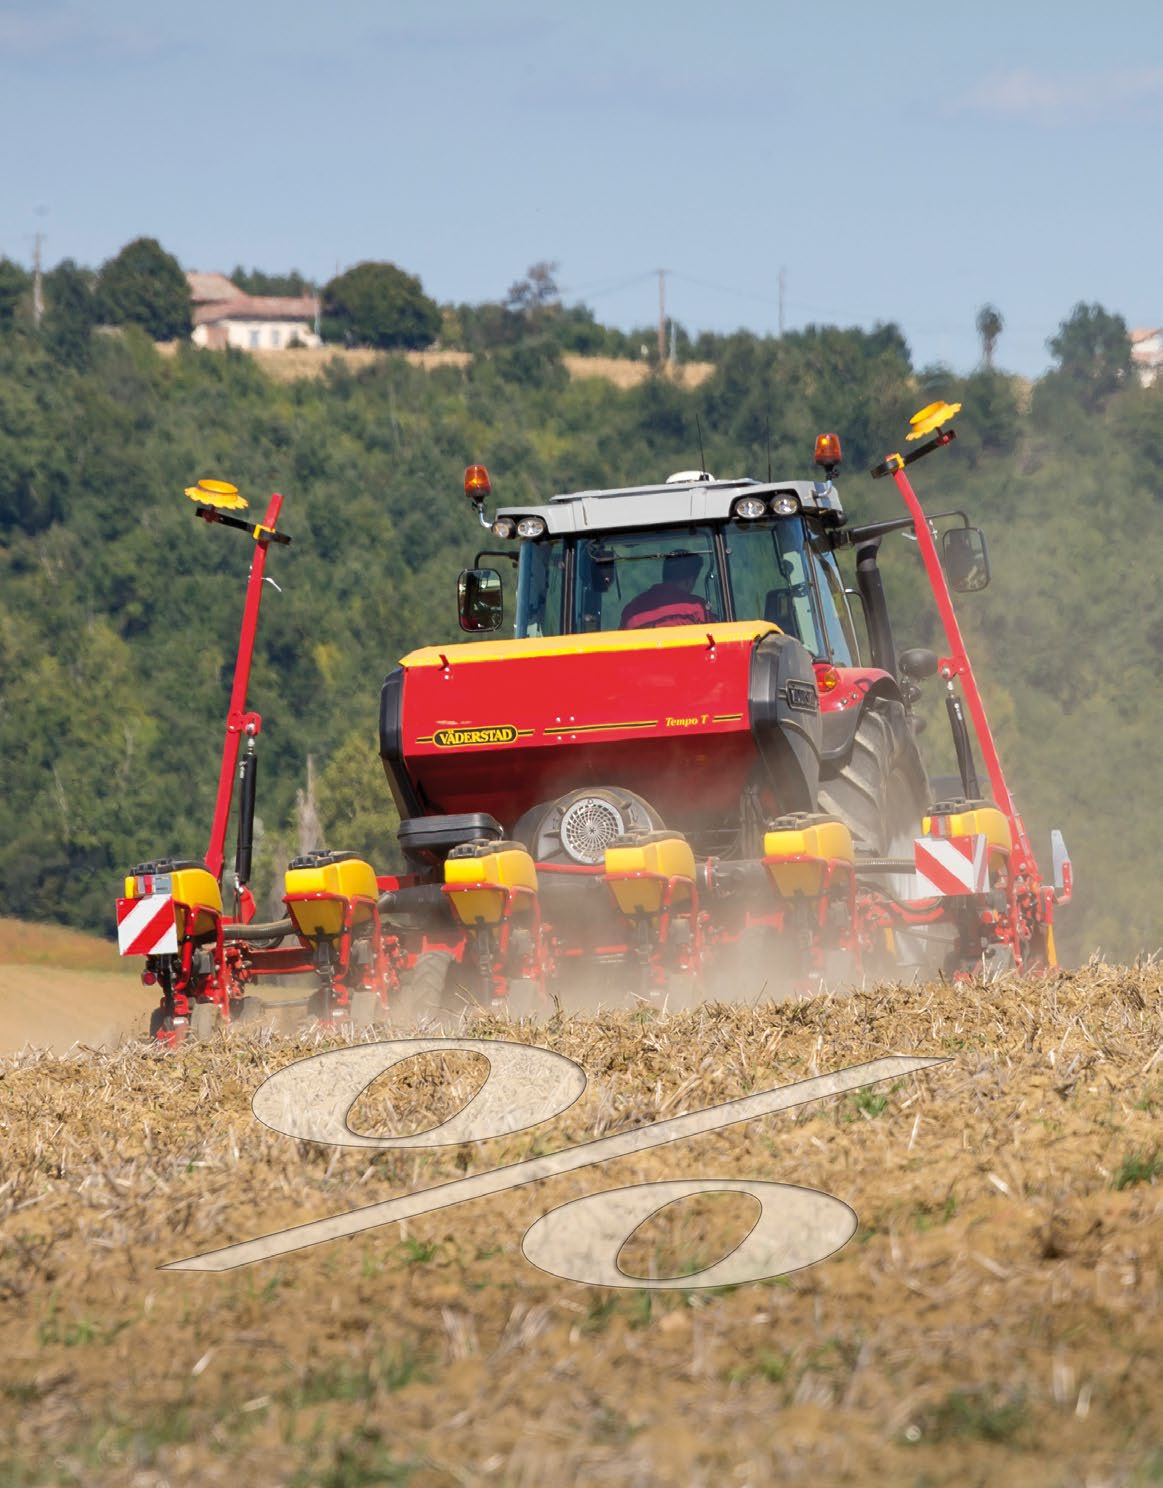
(1024, 93)
(56, 30)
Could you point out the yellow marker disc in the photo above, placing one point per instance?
(216, 493)
(932, 417)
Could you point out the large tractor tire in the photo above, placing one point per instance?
(425, 994)
(881, 790)
(578, 827)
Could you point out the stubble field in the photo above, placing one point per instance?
(995, 1318)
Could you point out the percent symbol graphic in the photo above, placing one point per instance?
(580, 1240)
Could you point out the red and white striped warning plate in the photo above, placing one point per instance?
(145, 927)
(951, 865)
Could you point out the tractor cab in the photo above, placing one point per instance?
(693, 551)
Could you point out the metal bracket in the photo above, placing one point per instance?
(244, 723)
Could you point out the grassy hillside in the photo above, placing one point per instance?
(119, 612)
(25, 944)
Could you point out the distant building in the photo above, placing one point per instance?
(225, 316)
(1147, 354)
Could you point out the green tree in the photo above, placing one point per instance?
(1093, 351)
(377, 304)
(256, 282)
(76, 788)
(14, 285)
(991, 408)
(34, 453)
(536, 293)
(119, 611)
(356, 810)
(485, 327)
(989, 327)
(144, 285)
(536, 363)
(70, 313)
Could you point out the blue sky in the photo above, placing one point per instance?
(901, 162)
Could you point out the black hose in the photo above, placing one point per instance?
(248, 780)
(275, 931)
(963, 747)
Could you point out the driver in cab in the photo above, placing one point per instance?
(671, 602)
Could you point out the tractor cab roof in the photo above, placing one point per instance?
(692, 496)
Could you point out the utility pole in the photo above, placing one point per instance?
(37, 282)
(782, 291)
(661, 316)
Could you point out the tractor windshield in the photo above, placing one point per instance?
(620, 581)
(634, 580)
(686, 576)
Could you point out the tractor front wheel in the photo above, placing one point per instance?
(424, 993)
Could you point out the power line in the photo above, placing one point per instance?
(741, 294)
(601, 287)
(781, 304)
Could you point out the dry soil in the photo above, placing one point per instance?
(994, 1320)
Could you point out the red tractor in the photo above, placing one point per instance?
(680, 777)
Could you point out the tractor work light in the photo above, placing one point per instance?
(530, 526)
(828, 451)
(785, 504)
(749, 507)
(477, 485)
(504, 527)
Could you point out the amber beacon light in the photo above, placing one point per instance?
(828, 451)
(477, 485)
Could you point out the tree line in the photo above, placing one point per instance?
(119, 612)
(372, 304)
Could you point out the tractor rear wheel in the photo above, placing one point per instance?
(881, 791)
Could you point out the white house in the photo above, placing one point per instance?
(1147, 354)
(224, 316)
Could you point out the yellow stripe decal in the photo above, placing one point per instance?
(663, 638)
(593, 728)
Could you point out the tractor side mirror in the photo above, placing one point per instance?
(917, 663)
(966, 559)
(478, 599)
(914, 665)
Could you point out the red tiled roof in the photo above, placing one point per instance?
(205, 288)
(258, 307)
